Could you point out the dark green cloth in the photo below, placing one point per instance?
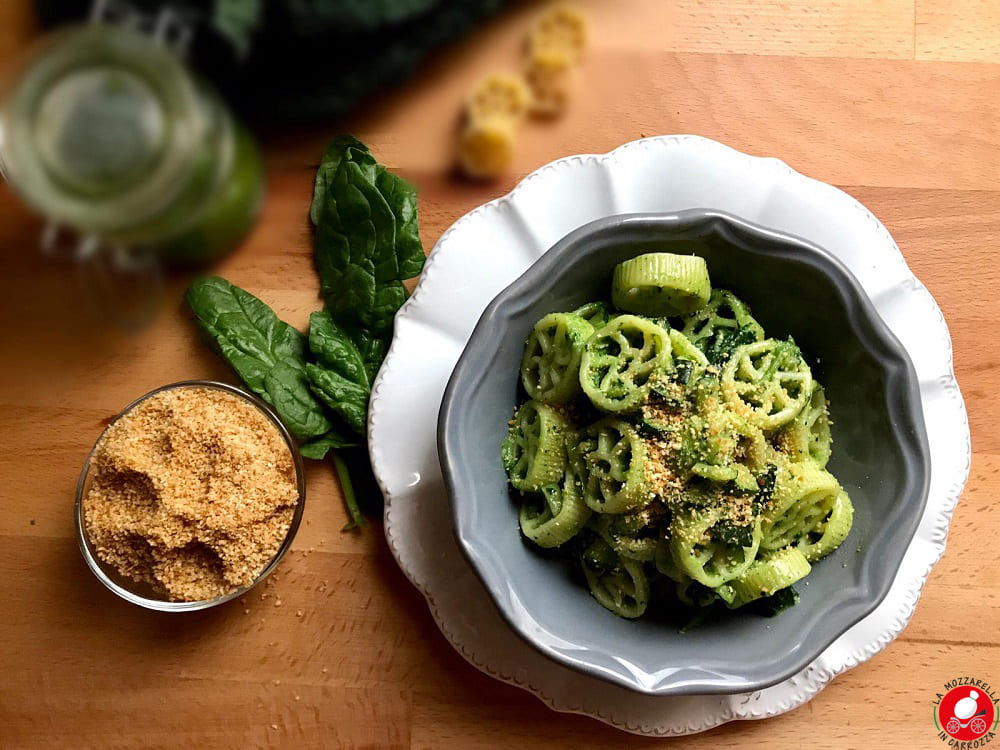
(288, 60)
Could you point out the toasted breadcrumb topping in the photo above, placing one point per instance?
(193, 492)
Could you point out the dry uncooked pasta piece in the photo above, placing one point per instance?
(486, 147)
(549, 77)
(563, 30)
(498, 95)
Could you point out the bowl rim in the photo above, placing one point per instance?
(98, 568)
(876, 337)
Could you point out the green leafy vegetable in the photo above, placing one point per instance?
(776, 603)
(402, 199)
(728, 532)
(237, 21)
(307, 59)
(724, 341)
(267, 354)
(347, 400)
(367, 239)
(317, 448)
(341, 148)
(765, 482)
(360, 15)
(334, 349)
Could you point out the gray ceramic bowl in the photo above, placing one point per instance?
(880, 456)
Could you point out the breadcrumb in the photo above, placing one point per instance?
(193, 493)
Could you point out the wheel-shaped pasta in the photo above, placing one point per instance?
(661, 284)
(804, 496)
(724, 312)
(549, 75)
(534, 451)
(610, 459)
(808, 435)
(773, 572)
(683, 350)
(698, 552)
(498, 95)
(550, 367)
(562, 30)
(486, 147)
(629, 534)
(734, 442)
(663, 560)
(619, 361)
(695, 594)
(595, 313)
(767, 382)
(830, 531)
(556, 514)
(617, 583)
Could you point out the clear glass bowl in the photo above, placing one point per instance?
(143, 594)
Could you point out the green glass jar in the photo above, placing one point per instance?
(105, 131)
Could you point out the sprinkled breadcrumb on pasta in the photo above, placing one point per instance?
(193, 492)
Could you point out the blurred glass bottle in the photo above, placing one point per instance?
(103, 130)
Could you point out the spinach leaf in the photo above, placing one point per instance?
(402, 199)
(347, 400)
(728, 532)
(373, 349)
(267, 354)
(334, 349)
(340, 148)
(367, 236)
(355, 251)
(317, 448)
(766, 482)
(776, 603)
(724, 341)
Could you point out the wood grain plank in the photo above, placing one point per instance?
(17, 28)
(828, 28)
(848, 714)
(948, 239)
(352, 657)
(957, 30)
(843, 121)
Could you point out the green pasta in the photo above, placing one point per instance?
(610, 459)
(617, 583)
(556, 514)
(671, 448)
(534, 450)
(621, 360)
(550, 368)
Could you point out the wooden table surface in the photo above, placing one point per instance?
(895, 101)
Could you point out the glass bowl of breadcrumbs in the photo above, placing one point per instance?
(190, 497)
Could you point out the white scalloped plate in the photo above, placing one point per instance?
(487, 249)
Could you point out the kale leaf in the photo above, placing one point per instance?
(326, 16)
(267, 353)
